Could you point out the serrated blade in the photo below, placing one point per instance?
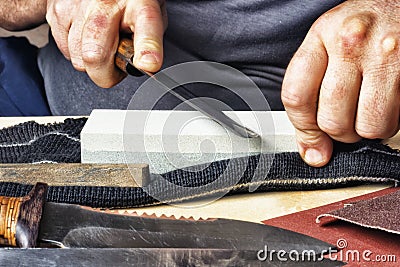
(76, 226)
(155, 215)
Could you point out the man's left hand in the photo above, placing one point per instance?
(344, 81)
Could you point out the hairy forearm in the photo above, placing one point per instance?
(22, 14)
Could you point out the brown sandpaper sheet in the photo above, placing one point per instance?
(379, 213)
(357, 245)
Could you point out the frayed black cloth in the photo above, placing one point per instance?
(364, 162)
(31, 142)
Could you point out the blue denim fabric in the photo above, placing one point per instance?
(21, 84)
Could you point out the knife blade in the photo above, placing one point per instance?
(26, 220)
(124, 61)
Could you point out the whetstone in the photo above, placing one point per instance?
(168, 140)
(76, 174)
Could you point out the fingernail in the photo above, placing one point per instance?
(148, 59)
(313, 156)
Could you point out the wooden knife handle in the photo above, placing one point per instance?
(124, 57)
(20, 217)
(125, 53)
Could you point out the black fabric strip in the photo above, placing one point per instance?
(360, 163)
(31, 142)
(367, 164)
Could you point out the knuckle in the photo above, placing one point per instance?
(148, 43)
(370, 112)
(334, 127)
(109, 6)
(321, 23)
(389, 44)
(354, 34)
(368, 130)
(49, 19)
(93, 54)
(306, 54)
(355, 29)
(309, 137)
(291, 99)
(60, 8)
(78, 67)
(77, 63)
(316, 28)
(149, 12)
(102, 13)
(107, 2)
(101, 20)
(375, 130)
(377, 116)
(98, 22)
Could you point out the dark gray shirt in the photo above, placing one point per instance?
(258, 37)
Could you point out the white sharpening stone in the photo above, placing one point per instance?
(168, 140)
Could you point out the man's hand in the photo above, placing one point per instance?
(87, 33)
(344, 81)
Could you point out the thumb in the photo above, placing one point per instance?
(315, 146)
(300, 92)
(147, 24)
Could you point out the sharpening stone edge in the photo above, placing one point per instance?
(168, 140)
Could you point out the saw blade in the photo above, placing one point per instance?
(154, 215)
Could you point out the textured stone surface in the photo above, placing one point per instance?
(76, 174)
(168, 140)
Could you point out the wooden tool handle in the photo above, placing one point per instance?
(124, 57)
(125, 54)
(20, 217)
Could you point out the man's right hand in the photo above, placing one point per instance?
(87, 33)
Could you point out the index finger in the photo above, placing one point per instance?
(300, 92)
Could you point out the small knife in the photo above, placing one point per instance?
(124, 61)
(29, 222)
